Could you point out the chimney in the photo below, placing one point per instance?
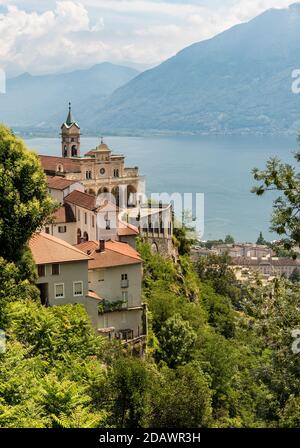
(101, 246)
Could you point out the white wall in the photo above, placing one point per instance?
(107, 283)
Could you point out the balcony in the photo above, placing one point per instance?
(108, 307)
(131, 172)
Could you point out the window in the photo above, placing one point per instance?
(55, 269)
(124, 281)
(88, 174)
(78, 215)
(116, 173)
(108, 224)
(59, 290)
(41, 270)
(125, 296)
(62, 229)
(47, 230)
(102, 171)
(93, 221)
(85, 218)
(77, 289)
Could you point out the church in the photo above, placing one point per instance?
(77, 181)
(99, 170)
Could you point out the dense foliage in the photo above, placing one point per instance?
(24, 200)
(219, 353)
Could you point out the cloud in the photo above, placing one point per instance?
(49, 36)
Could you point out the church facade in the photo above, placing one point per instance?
(99, 170)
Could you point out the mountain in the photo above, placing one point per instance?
(238, 81)
(41, 101)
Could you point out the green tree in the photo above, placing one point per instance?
(24, 200)
(284, 179)
(129, 386)
(176, 339)
(229, 239)
(260, 240)
(216, 270)
(181, 398)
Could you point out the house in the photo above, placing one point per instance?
(82, 218)
(268, 267)
(59, 187)
(243, 250)
(115, 274)
(63, 225)
(63, 274)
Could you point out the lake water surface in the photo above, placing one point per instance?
(218, 166)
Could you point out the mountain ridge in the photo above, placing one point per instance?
(235, 82)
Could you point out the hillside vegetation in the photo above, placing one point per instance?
(219, 354)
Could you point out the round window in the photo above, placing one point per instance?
(102, 171)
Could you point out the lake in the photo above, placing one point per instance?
(218, 166)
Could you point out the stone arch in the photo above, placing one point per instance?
(116, 193)
(74, 151)
(103, 190)
(131, 196)
(90, 191)
(78, 236)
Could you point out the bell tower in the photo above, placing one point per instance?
(70, 136)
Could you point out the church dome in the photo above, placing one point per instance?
(103, 147)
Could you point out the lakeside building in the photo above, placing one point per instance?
(246, 250)
(247, 259)
(82, 219)
(104, 277)
(77, 182)
(268, 267)
(115, 274)
(63, 274)
(99, 170)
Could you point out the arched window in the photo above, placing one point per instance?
(74, 151)
(60, 168)
(116, 193)
(116, 173)
(131, 196)
(85, 236)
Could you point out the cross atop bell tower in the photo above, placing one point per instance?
(70, 136)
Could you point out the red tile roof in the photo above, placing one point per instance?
(81, 199)
(48, 249)
(64, 215)
(92, 295)
(126, 229)
(59, 183)
(115, 254)
(50, 163)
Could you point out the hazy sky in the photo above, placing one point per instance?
(43, 36)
